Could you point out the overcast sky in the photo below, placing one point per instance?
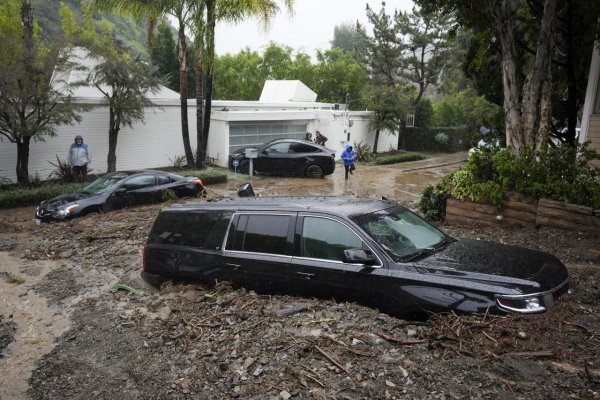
(310, 28)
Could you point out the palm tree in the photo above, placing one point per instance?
(206, 15)
(153, 10)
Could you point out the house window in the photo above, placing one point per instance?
(254, 134)
(410, 119)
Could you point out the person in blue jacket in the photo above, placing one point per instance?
(79, 157)
(349, 157)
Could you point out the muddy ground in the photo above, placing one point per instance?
(69, 329)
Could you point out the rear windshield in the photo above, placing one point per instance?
(400, 232)
(199, 229)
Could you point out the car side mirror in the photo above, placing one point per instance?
(359, 256)
(264, 151)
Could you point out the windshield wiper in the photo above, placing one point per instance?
(428, 250)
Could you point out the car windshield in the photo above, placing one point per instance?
(401, 233)
(103, 184)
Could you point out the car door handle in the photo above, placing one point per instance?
(234, 266)
(305, 275)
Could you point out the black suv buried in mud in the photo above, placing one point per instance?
(373, 252)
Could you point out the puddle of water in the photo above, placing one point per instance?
(38, 325)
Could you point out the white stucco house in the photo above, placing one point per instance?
(286, 109)
(590, 120)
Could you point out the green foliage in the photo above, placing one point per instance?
(346, 37)
(398, 157)
(442, 138)
(424, 113)
(363, 152)
(17, 279)
(33, 99)
(423, 139)
(164, 56)
(465, 108)
(169, 195)
(62, 171)
(432, 204)
(562, 174)
(19, 197)
(178, 161)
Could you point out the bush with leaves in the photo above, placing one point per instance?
(62, 171)
(432, 204)
(562, 174)
(363, 152)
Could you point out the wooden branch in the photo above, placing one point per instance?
(331, 360)
(536, 354)
(401, 341)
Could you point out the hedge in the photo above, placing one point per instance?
(423, 139)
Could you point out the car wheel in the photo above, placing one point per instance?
(244, 167)
(314, 172)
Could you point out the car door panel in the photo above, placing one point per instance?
(258, 250)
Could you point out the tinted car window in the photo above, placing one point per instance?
(139, 182)
(163, 179)
(282, 147)
(326, 239)
(260, 234)
(203, 230)
(302, 148)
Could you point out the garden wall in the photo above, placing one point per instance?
(524, 211)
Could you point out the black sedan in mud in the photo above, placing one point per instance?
(287, 157)
(373, 252)
(118, 190)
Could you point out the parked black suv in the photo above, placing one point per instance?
(374, 252)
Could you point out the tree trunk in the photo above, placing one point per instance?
(183, 89)
(208, 58)
(537, 89)
(23, 160)
(504, 17)
(200, 152)
(376, 141)
(571, 79)
(113, 134)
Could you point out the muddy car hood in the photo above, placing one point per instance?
(506, 263)
(69, 198)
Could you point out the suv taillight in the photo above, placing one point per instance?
(145, 258)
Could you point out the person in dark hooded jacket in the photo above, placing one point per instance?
(79, 157)
(349, 158)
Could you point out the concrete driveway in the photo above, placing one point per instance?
(402, 182)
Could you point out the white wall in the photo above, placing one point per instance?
(146, 145)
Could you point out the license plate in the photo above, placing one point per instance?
(37, 221)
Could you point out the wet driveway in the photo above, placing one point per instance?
(402, 182)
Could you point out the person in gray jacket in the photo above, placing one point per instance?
(79, 157)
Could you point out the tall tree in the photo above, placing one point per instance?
(33, 100)
(340, 75)
(164, 56)
(207, 13)
(347, 37)
(181, 11)
(124, 80)
(406, 48)
(527, 106)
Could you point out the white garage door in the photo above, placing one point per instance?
(254, 134)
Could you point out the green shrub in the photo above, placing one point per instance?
(432, 204)
(62, 171)
(442, 138)
(563, 174)
(398, 157)
(178, 161)
(18, 197)
(363, 152)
